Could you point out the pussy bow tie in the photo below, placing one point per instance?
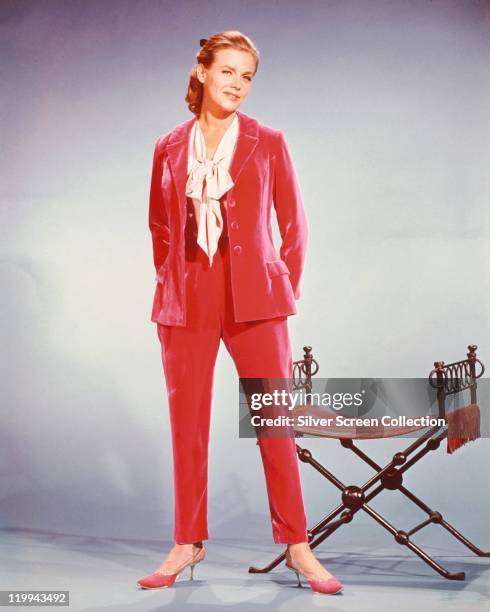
(207, 182)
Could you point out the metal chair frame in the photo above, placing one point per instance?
(448, 379)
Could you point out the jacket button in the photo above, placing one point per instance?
(237, 249)
(191, 214)
(234, 225)
(231, 203)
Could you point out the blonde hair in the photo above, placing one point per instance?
(229, 39)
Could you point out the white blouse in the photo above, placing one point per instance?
(207, 181)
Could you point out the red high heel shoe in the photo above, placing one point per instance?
(158, 580)
(331, 586)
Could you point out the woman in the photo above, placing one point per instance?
(219, 276)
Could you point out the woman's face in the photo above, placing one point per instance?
(227, 81)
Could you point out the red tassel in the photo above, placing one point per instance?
(463, 425)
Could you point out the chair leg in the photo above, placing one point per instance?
(355, 498)
(436, 517)
(432, 444)
(402, 537)
(263, 570)
(466, 542)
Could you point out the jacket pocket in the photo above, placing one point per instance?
(276, 267)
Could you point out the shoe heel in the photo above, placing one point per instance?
(297, 574)
(299, 579)
(192, 571)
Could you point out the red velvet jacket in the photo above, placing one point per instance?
(264, 284)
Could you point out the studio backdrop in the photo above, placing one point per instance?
(384, 106)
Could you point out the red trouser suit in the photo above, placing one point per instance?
(259, 349)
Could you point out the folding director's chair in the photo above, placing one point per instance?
(447, 380)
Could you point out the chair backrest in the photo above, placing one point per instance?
(303, 370)
(448, 379)
(455, 377)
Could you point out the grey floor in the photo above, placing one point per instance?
(100, 574)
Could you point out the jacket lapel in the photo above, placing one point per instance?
(248, 137)
(178, 151)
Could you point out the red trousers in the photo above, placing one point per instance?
(258, 349)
